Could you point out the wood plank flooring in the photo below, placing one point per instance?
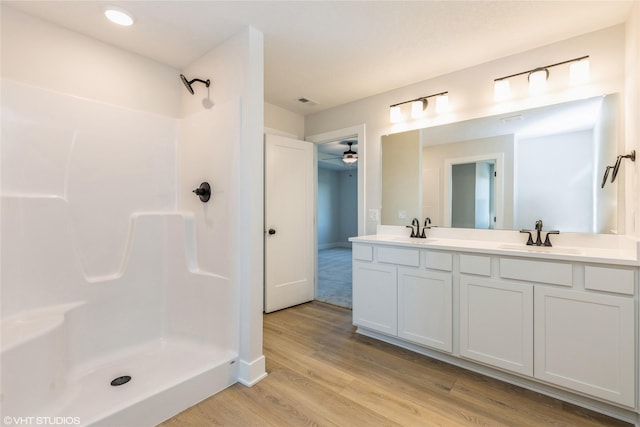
(321, 373)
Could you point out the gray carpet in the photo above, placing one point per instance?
(334, 276)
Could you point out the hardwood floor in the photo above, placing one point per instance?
(321, 373)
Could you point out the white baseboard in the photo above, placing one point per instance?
(250, 373)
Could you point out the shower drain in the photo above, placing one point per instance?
(120, 380)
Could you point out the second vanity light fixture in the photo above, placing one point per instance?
(578, 74)
(419, 105)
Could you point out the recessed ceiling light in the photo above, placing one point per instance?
(118, 16)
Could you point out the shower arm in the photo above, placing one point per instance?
(206, 82)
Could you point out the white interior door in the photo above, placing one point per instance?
(289, 222)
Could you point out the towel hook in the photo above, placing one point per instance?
(631, 156)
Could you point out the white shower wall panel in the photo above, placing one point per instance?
(208, 146)
(106, 161)
(39, 265)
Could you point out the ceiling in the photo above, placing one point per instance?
(330, 154)
(335, 52)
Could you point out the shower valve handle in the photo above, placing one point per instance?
(204, 192)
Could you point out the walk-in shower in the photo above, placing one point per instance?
(114, 309)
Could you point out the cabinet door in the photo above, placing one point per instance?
(424, 308)
(586, 342)
(496, 323)
(375, 297)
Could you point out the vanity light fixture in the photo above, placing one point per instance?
(418, 106)
(118, 16)
(442, 103)
(501, 90)
(538, 80)
(579, 73)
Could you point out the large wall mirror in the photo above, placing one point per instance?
(507, 171)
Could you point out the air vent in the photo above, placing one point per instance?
(306, 101)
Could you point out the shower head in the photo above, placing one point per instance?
(188, 83)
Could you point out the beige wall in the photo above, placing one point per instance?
(401, 190)
(283, 121)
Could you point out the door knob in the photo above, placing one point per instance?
(272, 231)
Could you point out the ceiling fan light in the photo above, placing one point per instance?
(349, 159)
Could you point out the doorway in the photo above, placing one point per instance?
(473, 192)
(337, 207)
(333, 254)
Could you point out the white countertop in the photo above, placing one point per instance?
(610, 254)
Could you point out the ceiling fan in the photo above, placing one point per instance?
(348, 157)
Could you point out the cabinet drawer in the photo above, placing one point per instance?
(363, 252)
(399, 256)
(439, 260)
(608, 279)
(475, 264)
(555, 273)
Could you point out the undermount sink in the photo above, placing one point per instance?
(541, 249)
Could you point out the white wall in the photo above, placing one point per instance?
(282, 120)
(632, 124)
(223, 146)
(471, 95)
(44, 55)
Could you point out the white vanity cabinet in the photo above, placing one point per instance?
(585, 342)
(496, 323)
(394, 293)
(425, 308)
(375, 297)
(563, 324)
